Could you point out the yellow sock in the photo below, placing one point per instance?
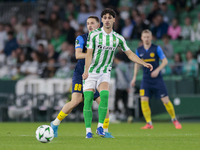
(106, 124)
(170, 109)
(61, 115)
(146, 110)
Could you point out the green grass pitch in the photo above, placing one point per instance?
(71, 136)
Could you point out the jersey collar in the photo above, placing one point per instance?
(105, 32)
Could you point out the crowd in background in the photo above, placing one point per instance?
(45, 47)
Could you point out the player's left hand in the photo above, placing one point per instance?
(85, 75)
(154, 74)
(147, 65)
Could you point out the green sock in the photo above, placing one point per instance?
(103, 106)
(87, 108)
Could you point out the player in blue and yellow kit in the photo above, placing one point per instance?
(77, 89)
(152, 82)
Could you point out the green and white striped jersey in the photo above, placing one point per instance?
(104, 46)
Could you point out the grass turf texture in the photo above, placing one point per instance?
(71, 136)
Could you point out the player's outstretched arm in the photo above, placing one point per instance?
(136, 59)
(88, 60)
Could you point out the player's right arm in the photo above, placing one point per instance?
(79, 45)
(88, 58)
(136, 68)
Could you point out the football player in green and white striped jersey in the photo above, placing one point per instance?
(101, 46)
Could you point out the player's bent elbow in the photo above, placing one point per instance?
(77, 56)
(166, 62)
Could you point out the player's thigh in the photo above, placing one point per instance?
(165, 99)
(103, 82)
(77, 97)
(145, 89)
(103, 86)
(145, 93)
(160, 90)
(90, 83)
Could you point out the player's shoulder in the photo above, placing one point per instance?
(82, 36)
(81, 39)
(140, 48)
(118, 35)
(154, 45)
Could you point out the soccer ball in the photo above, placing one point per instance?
(44, 133)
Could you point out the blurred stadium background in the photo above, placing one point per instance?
(37, 57)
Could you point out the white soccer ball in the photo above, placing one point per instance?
(44, 133)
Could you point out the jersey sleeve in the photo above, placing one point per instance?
(136, 52)
(91, 41)
(79, 42)
(123, 45)
(160, 53)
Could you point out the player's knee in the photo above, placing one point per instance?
(165, 100)
(75, 103)
(144, 98)
(104, 95)
(88, 96)
(76, 100)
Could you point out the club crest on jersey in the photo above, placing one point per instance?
(77, 43)
(106, 47)
(152, 54)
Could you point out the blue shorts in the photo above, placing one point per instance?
(153, 86)
(77, 85)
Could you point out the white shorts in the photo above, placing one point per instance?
(94, 79)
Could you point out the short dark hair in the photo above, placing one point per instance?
(94, 17)
(108, 11)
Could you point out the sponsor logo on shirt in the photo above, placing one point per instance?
(77, 43)
(106, 47)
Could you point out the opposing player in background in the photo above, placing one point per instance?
(77, 90)
(101, 46)
(152, 82)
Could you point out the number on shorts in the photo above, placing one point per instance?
(142, 92)
(77, 87)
